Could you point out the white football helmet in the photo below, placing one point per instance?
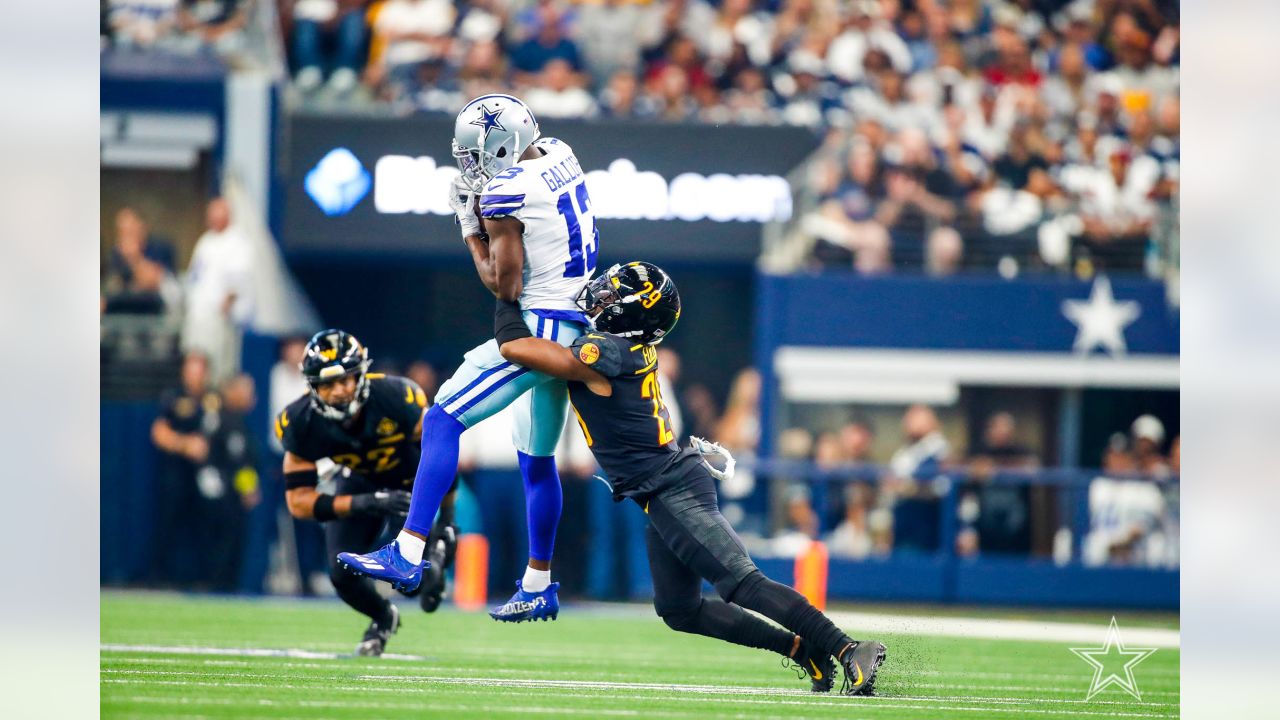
(490, 134)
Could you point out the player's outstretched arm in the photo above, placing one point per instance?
(518, 345)
(550, 358)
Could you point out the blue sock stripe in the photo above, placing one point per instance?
(555, 329)
(539, 333)
(488, 391)
(479, 379)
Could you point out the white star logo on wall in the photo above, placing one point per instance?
(1101, 320)
(1111, 661)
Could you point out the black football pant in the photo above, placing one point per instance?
(689, 541)
(358, 534)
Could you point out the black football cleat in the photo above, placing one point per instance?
(813, 664)
(448, 535)
(434, 581)
(860, 664)
(377, 634)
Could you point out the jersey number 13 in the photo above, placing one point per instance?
(582, 255)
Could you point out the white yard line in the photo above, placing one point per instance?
(244, 652)
(508, 685)
(862, 624)
(416, 706)
(872, 702)
(1072, 680)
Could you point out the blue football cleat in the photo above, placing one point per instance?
(524, 605)
(385, 564)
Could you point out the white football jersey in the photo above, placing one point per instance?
(549, 196)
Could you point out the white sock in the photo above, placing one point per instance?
(535, 580)
(411, 547)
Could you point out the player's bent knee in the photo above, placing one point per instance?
(681, 619)
(437, 420)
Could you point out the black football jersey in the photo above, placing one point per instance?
(378, 443)
(629, 432)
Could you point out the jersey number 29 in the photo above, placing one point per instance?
(582, 256)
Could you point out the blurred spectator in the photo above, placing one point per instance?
(556, 96)
(613, 33)
(750, 100)
(180, 434)
(483, 69)
(424, 375)
(701, 409)
(925, 450)
(866, 31)
(856, 438)
(739, 427)
(827, 453)
(328, 36)
(998, 515)
(915, 502)
(218, 24)
(885, 99)
(944, 252)
(141, 23)
(999, 448)
(807, 97)
(228, 484)
(668, 377)
(1127, 516)
(801, 524)
(219, 291)
(852, 537)
(848, 232)
(547, 44)
(621, 98)
(411, 34)
(1148, 436)
(1117, 212)
(739, 431)
(285, 382)
(919, 192)
(139, 272)
(1066, 92)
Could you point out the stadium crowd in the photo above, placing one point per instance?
(1003, 135)
(958, 134)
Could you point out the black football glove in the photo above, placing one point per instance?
(381, 502)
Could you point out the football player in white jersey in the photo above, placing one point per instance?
(526, 217)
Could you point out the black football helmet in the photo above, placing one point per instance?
(331, 355)
(635, 300)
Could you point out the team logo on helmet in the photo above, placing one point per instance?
(589, 353)
(488, 119)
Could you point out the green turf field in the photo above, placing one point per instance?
(176, 656)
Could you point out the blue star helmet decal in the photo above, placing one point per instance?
(488, 119)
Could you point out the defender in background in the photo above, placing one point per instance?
(370, 426)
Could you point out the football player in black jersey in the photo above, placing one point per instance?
(370, 426)
(613, 388)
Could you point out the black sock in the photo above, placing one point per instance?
(361, 594)
(791, 610)
(731, 623)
